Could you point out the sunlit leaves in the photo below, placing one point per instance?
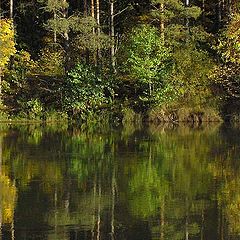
(229, 45)
(84, 91)
(146, 59)
(7, 44)
(7, 199)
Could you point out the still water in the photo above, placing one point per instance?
(165, 182)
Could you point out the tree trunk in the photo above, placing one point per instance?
(11, 9)
(65, 15)
(162, 21)
(113, 206)
(85, 9)
(99, 211)
(112, 34)
(98, 29)
(98, 16)
(66, 40)
(203, 10)
(162, 220)
(54, 31)
(94, 210)
(219, 14)
(187, 20)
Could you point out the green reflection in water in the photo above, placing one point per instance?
(132, 183)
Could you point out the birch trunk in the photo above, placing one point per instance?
(112, 34)
(11, 9)
(162, 21)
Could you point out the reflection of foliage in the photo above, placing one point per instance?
(232, 196)
(7, 199)
(163, 176)
(148, 188)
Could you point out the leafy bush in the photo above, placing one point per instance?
(85, 92)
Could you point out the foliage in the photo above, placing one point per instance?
(21, 66)
(7, 43)
(229, 44)
(190, 76)
(146, 61)
(226, 74)
(8, 199)
(85, 92)
(51, 61)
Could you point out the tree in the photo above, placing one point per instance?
(7, 46)
(146, 61)
(226, 74)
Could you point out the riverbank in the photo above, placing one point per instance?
(125, 115)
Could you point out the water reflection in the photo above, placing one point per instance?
(132, 183)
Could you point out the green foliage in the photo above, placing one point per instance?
(54, 5)
(31, 109)
(21, 66)
(84, 37)
(229, 44)
(51, 61)
(85, 92)
(190, 76)
(226, 75)
(146, 61)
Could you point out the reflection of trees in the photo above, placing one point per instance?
(7, 194)
(226, 171)
(88, 184)
(173, 184)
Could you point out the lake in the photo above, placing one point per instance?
(122, 183)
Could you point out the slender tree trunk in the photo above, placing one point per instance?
(85, 14)
(202, 224)
(65, 15)
(162, 220)
(98, 29)
(94, 32)
(94, 210)
(92, 9)
(187, 221)
(113, 206)
(12, 230)
(203, 10)
(99, 211)
(219, 13)
(11, 9)
(98, 16)
(187, 20)
(54, 31)
(112, 34)
(66, 40)
(85, 11)
(162, 27)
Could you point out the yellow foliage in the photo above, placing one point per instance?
(8, 199)
(7, 44)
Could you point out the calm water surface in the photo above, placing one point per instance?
(62, 183)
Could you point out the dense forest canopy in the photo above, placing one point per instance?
(92, 57)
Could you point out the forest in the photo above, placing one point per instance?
(120, 60)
